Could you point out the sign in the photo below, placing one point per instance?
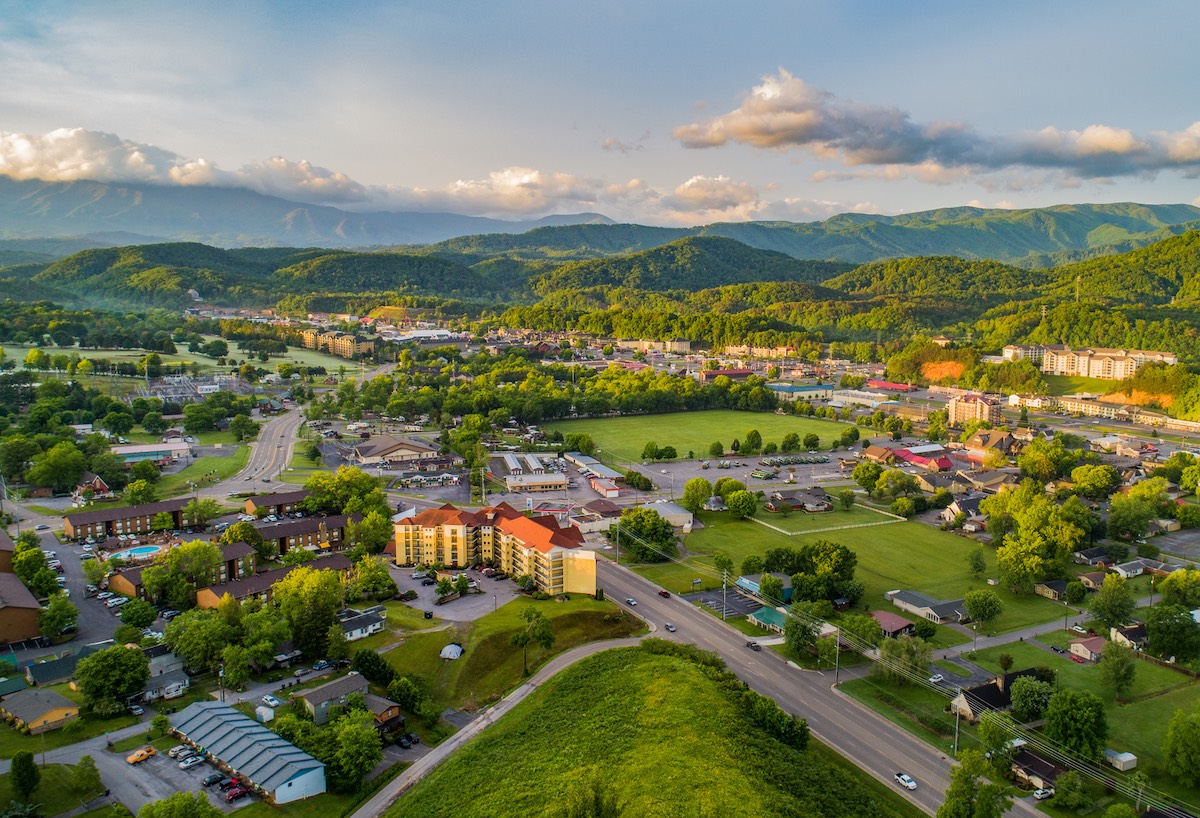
(695, 582)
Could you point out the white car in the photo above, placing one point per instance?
(937, 678)
(630, 601)
(177, 750)
(1079, 629)
(117, 601)
(904, 780)
(50, 554)
(103, 595)
(1043, 793)
(270, 701)
(190, 762)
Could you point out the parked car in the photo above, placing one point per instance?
(904, 780)
(937, 678)
(136, 709)
(230, 783)
(1057, 649)
(138, 756)
(302, 671)
(189, 762)
(270, 701)
(169, 614)
(404, 742)
(236, 793)
(185, 754)
(176, 750)
(665, 594)
(103, 595)
(429, 581)
(41, 527)
(1079, 629)
(322, 664)
(1043, 793)
(418, 575)
(412, 738)
(215, 778)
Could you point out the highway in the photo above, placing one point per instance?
(269, 455)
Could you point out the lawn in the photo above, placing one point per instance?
(918, 709)
(799, 522)
(622, 439)
(328, 805)
(657, 730)
(12, 742)
(204, 471)
(490, 665)
(54, 793)
(1069, 385)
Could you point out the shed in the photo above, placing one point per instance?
(1122, 761)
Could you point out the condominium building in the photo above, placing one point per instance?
(342, 344)
(1091, 362)
(518, 545)
(965, 409)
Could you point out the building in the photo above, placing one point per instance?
(92, 483)
(811, 500)
(165, 686)
(361, 624)
(238, 561)
(127, 582)
(386, 449)
(535, 482)
(890, 386)
(893, 625)
(996, 694)
(965, 409)
(673, 513)
(768, 618)
(280, 502)
(311, 533)
(747, 351)
(1052, 589)
(516, 544)
(60, 669)
(160, 454)
(1090, 648)
(752, 584)
(927, 607)
(985, 441)
(275, 768)
(320, 700)
(38, 709)
(790, 392)
(109, 522)
(679, 345)
(341, 344)
(1034, 771)
(7, 549)
(260, 586)
(1092, 362)
(19, 610)
(388, 719)
(709, 375)
(1131, 636)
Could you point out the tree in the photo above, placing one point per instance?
(1095, 482)
(650, 451)
(139, 492)
(900, 658)
(1021, 561)
(118, 423)
(309, 600)
(994, 730)
(58, 615)
(1181, 588)
(138, 613)
(243, 428)
(903, 507)
(336, 645)
(369, 579)
(895, 483)
(1181, 748)
(846, 499)
(1030, 698)
(154, 423)
(199, 511)
(536, 629)
(160, 724)
(24, 774)
(983, 606)
(970, 794)
(1171, 631)
(359, 749)
(753, 442)
(726, 486)
(58, 468)
(85, 778)
(866, 474)
(247, 533)
(812, 442)
(199, 636)
(1076, 593)
(162, 521)
(644, 535)
(181, 805)
(798, 631)
(1005, 660)
(716, 449)
(1076, 720)
(373, 667)
(1069, 791)
(94, 570)
(770, 589)
(742, 504)
(977, 562)
(110, 676)
(1118, 669)
(235, 665)
(1114, 604)
(695, 494)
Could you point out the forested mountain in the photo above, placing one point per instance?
(941, 275)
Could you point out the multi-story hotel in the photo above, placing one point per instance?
(342, 344)
(964, 409)
(1092, 362)
(517, 544)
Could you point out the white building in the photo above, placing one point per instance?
(1092, 362)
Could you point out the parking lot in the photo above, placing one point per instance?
(159, 776)
(493, 594)
(734, 605)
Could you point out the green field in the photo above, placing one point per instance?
(204, 471)
(490, 665)
(55, 792)
(661, 734)
(12, 742)
(1069, 385)
(622, 439)
(799, 522)
(903, 555)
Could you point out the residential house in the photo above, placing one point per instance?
(92, 483)
(1055, 589)
(1145, 565)
(1092, 580)
(320, 700)
(361, 624)
(62, 668)
(1131, 636)
(162, 660)
(165, 686)
(893, 625)
(951, 482)
(1096, 555)
(1090, 648)
(388, 719)
(715, 503)
(1034, 771)
(996, 694)
(8, 549)
(38, 709)
(985, 441)
(19, 611)
(811, 500)
(752, 584)
(967, 505)
(918, 604)
(990, 482)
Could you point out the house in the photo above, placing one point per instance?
(92, 483)
(358, 625)
(990, 481)
(1090, 648)
(811, 500)
(1096, 555)
(939, 611)
(127, 582)
(893, 625)
(985, 441)
(320, 700)
(1144, 565)
(169, 685)
(8, 549)
(162, 660)
(878, 454)
(996, 694)
(1131, 569)
(1131, 636)
(951, 482)
(769, 619)
(38, 709)
(1055, 589)
(237, 744)
(388, 719)
(715, 503)
(1092, 580)
(752, 585)
(1034, 771)
(966, 505)
(62, 668)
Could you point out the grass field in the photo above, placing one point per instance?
(12, 742)
(661, 734)
(203, 470)
(1069, 385)
(490, 665)
(54, 793)
(622, 439)
(799, 522)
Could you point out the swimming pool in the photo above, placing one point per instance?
(139, 553)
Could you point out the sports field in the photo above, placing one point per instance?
(623, 438)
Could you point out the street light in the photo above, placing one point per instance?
(672, 476)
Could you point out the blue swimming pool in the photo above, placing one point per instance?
(139, 553)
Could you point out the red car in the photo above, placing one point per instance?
(665, 594)
(236, 793)
(1078, 659)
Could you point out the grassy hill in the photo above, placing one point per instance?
(663, 736)
(940, 275)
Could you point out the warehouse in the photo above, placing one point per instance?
(280, 771)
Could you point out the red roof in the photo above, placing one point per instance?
(895, 387)
(542, 533)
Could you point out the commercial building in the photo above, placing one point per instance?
(275, 768)
(158, 453)
(965, 409)
(262, 586)
(341, 344)
(109, 522)
(517, 544)
(388, 449)
(791, 392)
(1091, 362)
(535, 482)
(311, 533)
(681, 345)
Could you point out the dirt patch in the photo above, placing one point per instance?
(1139, 398)
(937, 371)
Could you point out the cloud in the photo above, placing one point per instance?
(784, 112)
(612, 143)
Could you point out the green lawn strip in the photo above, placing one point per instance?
(663, 735)
(54, 793)
(1069, 385)
(204, 471)
(295, 478)
(490, 665)
(738, 623)
(128, 745)
(918, 710)
(107, 811)
(622, 439)
(12, 742)
(800, 522)
(951, 667)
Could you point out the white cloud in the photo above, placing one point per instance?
(784, 113)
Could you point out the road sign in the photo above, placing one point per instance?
(695, 582)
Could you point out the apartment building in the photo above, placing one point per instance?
(1091, 362)
(965, 409)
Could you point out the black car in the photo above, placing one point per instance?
(1057, 649)
(403, 742)
(412, 738)
(754, 646)
(428, 581)
(215, 778)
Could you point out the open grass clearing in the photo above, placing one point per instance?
(327, 805)
(622, 439)
(12, 742)
(660, 733)
(490, 664)
(1070, 384)
(799, 522)
(55, 791)
(203, 471)
(917, 709)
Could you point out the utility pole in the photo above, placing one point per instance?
(724, 582)
(837, 656)
(956, 716)
(618, 546)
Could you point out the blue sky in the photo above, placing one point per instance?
(659, 112)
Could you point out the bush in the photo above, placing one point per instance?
(926, 629)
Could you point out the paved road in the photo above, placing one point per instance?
(269, 455)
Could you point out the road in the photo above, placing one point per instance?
(269, 455)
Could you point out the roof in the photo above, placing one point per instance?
(352, 682)
(6, 543)
(890, 622)
(920, 600)
(1134, 633)
(105, 515)
(167, 679)
(32, 703)
(603, 507)
(363, 620)
(770, 616)
(305, 525)
(280, 498)
(14, 594)
(235, 550)
(243, 744)
(1034, 764)
(62, 667)
(381, 445)
(542, 533)
(257, 584)
(996, 694)
(11, 684)
(378, 704)
(1056, 585)
(1093, 644)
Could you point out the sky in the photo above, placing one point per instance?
(656, 112)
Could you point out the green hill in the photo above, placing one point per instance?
(1157, 274)
(941, 275)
